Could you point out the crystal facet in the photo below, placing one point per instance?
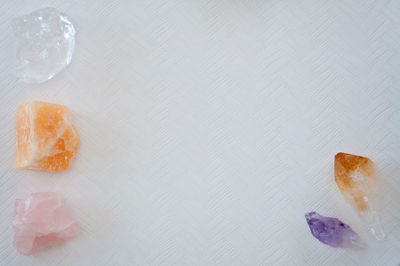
(45, 44)
(357, 180)
(41, 221)
(332, 231)
(46, 137)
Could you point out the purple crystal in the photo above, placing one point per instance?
(332, 231)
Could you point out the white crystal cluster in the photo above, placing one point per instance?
(45, 44)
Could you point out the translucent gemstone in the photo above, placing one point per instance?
(45, 44)
(46, 137)
(332, 231)
(40, 221)
(357, 180)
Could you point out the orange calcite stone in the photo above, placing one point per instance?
(46, 137)
(357, 180)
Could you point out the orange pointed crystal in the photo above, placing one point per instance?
(46, 137)
(357, 180)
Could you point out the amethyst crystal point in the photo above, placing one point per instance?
(332, 231)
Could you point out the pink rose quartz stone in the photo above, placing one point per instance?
(40, 221)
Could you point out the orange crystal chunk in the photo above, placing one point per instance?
(46, 137)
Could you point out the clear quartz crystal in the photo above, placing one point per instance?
(45, 44)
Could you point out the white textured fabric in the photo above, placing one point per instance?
(208, 129)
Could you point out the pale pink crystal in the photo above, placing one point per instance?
(41, 221)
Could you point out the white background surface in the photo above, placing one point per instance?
(208, 129)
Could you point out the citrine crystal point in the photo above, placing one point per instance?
(356, 178)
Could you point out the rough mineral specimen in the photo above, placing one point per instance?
(356, 179)
(46, 137)
(45, 44)
(41, 221)
(332, 231)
